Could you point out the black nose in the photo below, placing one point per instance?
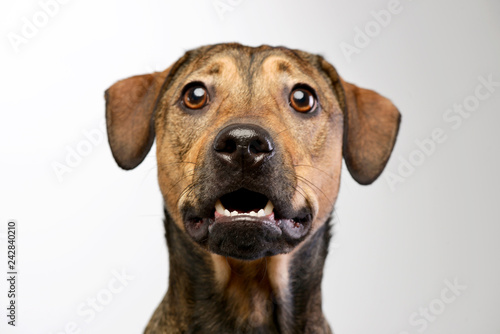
(243, 145)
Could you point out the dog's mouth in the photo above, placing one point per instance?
(247, 225)
(243, 202)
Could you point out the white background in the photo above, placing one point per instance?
(393, 249)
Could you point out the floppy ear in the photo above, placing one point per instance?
(371, 124)
(129, 116)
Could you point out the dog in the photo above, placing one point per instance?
(249, 148)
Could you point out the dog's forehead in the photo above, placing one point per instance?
(247, 78)
(246, 63)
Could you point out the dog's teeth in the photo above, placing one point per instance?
(227, 213)
(269, 208)
(252, 213)
(219, 207)
(261, 213)
(234, 213)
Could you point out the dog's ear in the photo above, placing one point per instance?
(371, 124)
(129, 116)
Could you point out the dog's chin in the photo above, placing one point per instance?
(248, 235)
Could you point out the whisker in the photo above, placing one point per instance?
(189, 188)
(286, 129)
(300, 192)
(180, 179)
(147, 173)
(309, 183)
(296, 185)
(186, 191)
(330, 176)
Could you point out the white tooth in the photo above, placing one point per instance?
(219, 207)
(227, 213)
(252, 213)
(261, 213)
(234, 213)
(269, 208)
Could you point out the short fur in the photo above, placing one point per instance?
(241, 277)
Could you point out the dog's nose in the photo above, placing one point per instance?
(245, 145)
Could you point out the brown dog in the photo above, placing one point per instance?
(249, 150)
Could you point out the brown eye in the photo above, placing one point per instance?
(195, 97)
(302, 100)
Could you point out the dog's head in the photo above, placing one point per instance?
(250, 142)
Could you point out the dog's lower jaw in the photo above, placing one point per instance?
(194, 302)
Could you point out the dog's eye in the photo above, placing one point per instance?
(302, 100)
(195, 97)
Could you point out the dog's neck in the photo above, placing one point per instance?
(213, 294)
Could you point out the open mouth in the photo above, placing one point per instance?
(251, 206)
(247, 224)
(244, 202)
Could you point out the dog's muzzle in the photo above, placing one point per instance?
(244, 207)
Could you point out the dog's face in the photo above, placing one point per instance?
(250, 142)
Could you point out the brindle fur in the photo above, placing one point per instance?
(209, 293)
